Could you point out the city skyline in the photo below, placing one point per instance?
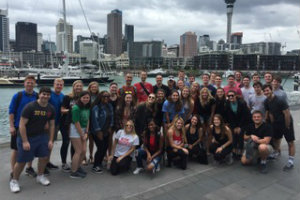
(258, 20)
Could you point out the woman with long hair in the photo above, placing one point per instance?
(126, 110)
(93, 89)
(66, 119)
(151, 150)
(101, 125)
(220, 102)
(221, 145)
(123, 148)
(188, 103)
(171, 108)
(79, 132)
(176, 141)
(194, 136)
(144, 112)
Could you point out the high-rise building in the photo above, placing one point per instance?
(114, 32)
(203, 40)
(188, 45)
(230, 4)
(60, 36)
(26, 36)
(48, 47)
(147, 49)
(236, 40)
(39, 41)
(89, 49)
(265, 48)
(129, 37)
(4, 31)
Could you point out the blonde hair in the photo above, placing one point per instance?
(133, 127)
(90, 85)
(72, 94)
(173, 127)
(209, 97)
(189, 97)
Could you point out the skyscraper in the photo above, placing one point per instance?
(188, 45)
(129, 37)
(230, 4)
(39, 41)
(114, 32)
(4, 31)
(60, 36)
(26, 36)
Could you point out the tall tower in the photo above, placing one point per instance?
(230, 4)
(60, 34)
(4, 31)
(188, 45)
(114, 32)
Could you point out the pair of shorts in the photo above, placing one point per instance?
(280, 130)
(74, 133)
(254, 154)
(13, 140)
(38, 148)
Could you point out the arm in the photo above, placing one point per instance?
(23, 133)
(287, 118)
(213, 110)
(200, 134)
(229, 142)
(113, 149)
(128, 153)
(191, 109)
(170, 138)
(167, 117)
(265, 140)
(12, 128)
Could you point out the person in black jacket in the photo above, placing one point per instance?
(221, 103)
(238, 117)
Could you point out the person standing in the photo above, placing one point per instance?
(32, 139)
(238, 79)
(143, 88)
(218, 81)
(205, 83)
(221, 103)
(256, 101)
(277, 88)
(255, 78)
(160, 85)
(18, 102)
(231, 85)
(188, 103)
(56, 100)
(128, 88)
(278, 114)
(247, 89)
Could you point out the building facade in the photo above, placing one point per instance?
(188, 45)
(114, 32)
(39, 41)
(89, 49)
(266, 48)
(26, 36)
(60, 37)
(4, 31)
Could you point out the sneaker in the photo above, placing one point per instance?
(66, 168)
(81, 171)
(274, 155)
(158, 168)
(263, 168)
(14, 186)
(42, 179)
(51, 166)
(46, 172)
(288, 167)
(30, 172)
(229, 159)
(137, 170)
(76, 175)
(97, 170)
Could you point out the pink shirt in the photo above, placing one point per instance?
(235, 88)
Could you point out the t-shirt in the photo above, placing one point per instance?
(247, 92)
(280, 94)
(141, 94)
(164, 87)
(127, 89)
(275, 107)
(211, 88)
(56, 101)
(26, 98)
(264, 130)
(125, 142)
(81, 115)
(37, 117)
(205, 110)
(238, 90)
(169, 107)
(257, 103)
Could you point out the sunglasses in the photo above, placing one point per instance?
(129, 125)
(106, 96)
(128, 92)
(151, 97)
(231, 96)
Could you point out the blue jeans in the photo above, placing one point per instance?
(142, 155)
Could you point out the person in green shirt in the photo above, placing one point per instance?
(79, 133)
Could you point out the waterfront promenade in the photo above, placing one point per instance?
(197, 182)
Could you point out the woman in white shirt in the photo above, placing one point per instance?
(123, 147)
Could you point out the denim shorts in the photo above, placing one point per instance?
(38, 148)
(74, 133)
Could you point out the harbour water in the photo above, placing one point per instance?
(7, 93)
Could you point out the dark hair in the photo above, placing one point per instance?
(29, 77)
(255, 74)
(113, 83)
(267, 86)
(248, 77)
(237, 71)
(206, 74)
(198, 121)
(79, 103)
(160, 90)
(191, 75)
(230, 76)
(148, 133)
(216, 96)
(277, 78)
(99, 98)
(178, 104)
(222, 125)
(45, 90)
(257, 112)
(258, 84)
(231, 91)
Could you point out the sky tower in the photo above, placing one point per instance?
(230, 4)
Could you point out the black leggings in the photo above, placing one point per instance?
(219, 156)
(124, 164)
(182, 162)
(64, 130)
(102, 146)
(238, 140)
(200, 153)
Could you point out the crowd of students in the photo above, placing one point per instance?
(183, 120)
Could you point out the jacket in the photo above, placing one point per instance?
(99, 116)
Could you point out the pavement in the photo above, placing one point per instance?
(206, 182)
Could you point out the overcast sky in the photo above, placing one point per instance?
(259, 20)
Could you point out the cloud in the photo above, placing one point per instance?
(168, 19)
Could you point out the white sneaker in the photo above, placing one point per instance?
(137, 170)
(14, 186)
(42, 179)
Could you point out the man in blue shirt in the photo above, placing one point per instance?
(18, 102)
(56, 100)
(205, 83)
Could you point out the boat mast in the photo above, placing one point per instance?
(65, 42)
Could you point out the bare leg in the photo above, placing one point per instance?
(91, 147)
(292, 149)
(18, 168)
(76, 142)
(42, 165)
(13, 159)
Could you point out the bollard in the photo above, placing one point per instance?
(296, 82)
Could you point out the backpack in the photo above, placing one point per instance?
(19, 99)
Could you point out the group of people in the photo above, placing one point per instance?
(184, 120)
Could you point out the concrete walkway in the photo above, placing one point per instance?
(197, 182)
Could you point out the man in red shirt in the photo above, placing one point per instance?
(127, 88)
(143, 88)
(232, 86)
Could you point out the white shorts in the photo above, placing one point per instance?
(74, 133)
